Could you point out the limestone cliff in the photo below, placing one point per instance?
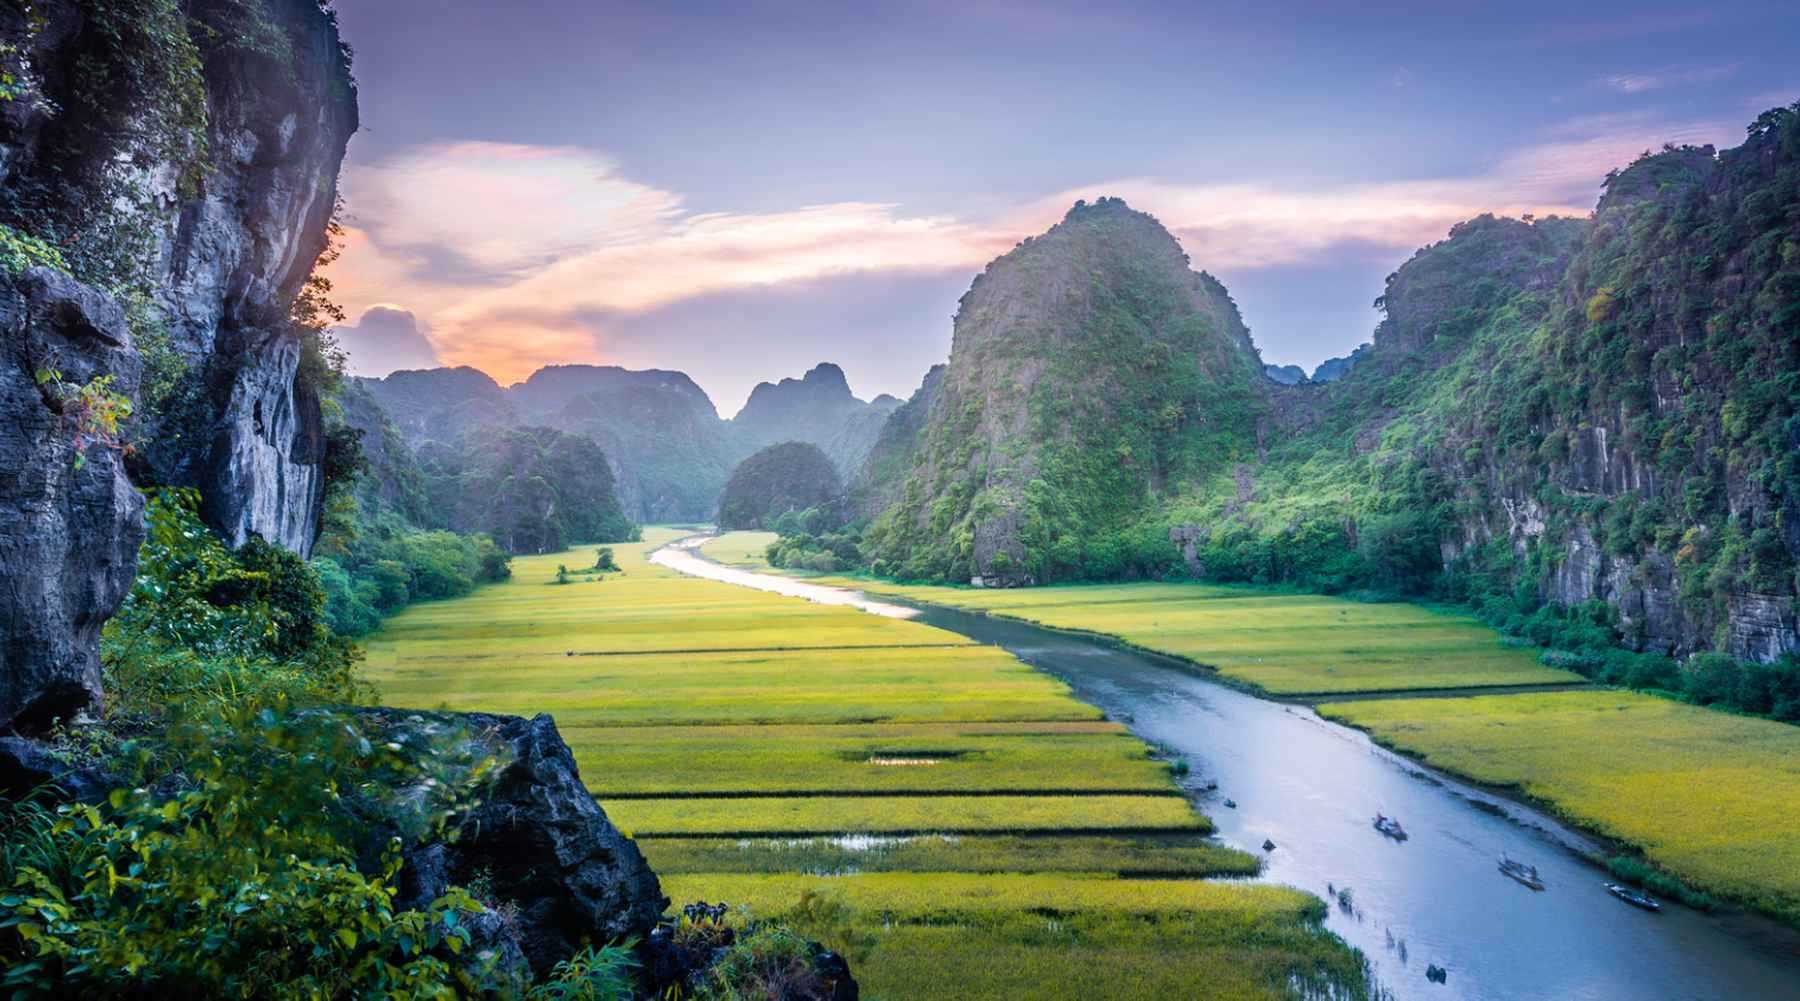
(166, 179)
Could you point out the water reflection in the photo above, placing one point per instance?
(1312, 788)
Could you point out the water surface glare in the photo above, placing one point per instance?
(1312, 787)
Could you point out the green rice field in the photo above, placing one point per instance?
(954, 821)
(741, 549)
(1710, 797)
(1283, 644)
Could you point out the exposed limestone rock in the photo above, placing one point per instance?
(70, 522)
(538, 841)
(227, 250)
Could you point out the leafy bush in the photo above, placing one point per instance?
(591, 975)
(204, 626)
(22, 251)
(253, 880)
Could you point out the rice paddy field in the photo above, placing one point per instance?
(1291, 645)
(954, 821)
(741, 549)
(1710, 797)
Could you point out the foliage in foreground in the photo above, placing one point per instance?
(206, 627)
(255, 879)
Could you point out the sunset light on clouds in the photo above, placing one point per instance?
(510, 253)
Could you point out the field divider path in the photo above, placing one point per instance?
(906, 793)
(838, 757)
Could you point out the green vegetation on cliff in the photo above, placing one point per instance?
(1586, 430)
(531, 489)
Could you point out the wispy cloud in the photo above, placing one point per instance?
(513, 257)
(1640, 83)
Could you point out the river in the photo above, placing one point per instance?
(1312, 787)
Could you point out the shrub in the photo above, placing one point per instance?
(246, 882)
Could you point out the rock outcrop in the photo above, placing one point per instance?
(537, 844)
(206, 198)
(791, 476)
(70, 520)
(1091, 371)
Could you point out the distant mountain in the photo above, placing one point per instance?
(1090, 371)
(817, 408)
(1333, 369)
(438, 404)
(669, 452)
(533, 489)
(1285, 375)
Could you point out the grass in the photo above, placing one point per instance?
(917, 757)
(741, 549)
(766, 815)
(1282, 644)
(1710, 797)
(1166, 854)
(949, 935)
(753, 740)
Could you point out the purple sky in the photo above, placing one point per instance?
(743, 190)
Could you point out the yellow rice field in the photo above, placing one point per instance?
(740, 729)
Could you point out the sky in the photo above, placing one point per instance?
(742, 190)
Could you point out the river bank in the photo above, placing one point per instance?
(1313, 786)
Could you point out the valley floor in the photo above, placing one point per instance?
(953, 820)
(1711, 797)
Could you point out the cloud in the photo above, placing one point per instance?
(385, 339)
(518, 256)
(1639, 83)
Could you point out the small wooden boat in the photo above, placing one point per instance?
(1633, 897)
(1390, 827)
(1526, 874)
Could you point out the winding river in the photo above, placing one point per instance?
(1311, 787)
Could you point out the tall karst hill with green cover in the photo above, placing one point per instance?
(1091, 374)
(1596, 413)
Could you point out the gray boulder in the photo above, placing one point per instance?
(542, 851)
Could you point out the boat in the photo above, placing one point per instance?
(1390, 827)
(1633, 897)
(1526, 874)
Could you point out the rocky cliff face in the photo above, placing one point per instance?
(172, 173)
(1665, 480)
(70, 520)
